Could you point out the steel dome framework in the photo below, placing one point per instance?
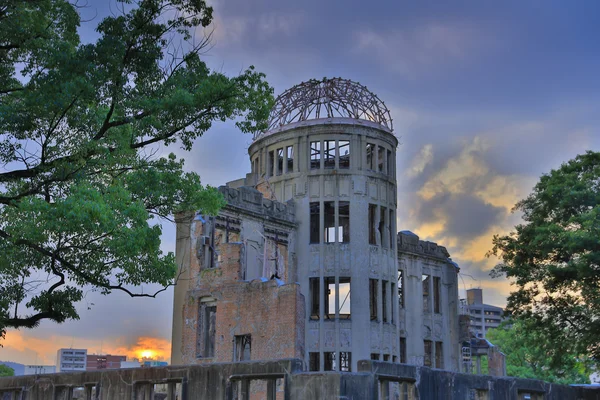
(328, 98)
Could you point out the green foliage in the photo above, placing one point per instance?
(80, 124)
(554, 256)
(5, 370)
(530, 353)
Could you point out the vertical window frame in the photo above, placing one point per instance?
(437, 292)
(315, 222)
(289, 159)
(344, 221)
(329, 154)
(344, 159)
(371, 150)
(329, 225)
(315, 155)
(315, 297)
(373, 290)
(372, 222)
(280, 161)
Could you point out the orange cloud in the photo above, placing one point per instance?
(145, 347)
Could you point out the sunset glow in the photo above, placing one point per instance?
(146, 354)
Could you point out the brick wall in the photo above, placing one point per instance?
(272, 313)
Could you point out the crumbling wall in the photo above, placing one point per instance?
(417, 324)
(496, 362)
(267, 309)
(288, 380)
(241, 262)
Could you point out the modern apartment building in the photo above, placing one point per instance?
(71, 360)
(483, 316)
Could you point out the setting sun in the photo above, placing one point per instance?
(146, 354)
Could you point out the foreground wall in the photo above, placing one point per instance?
(283, 379)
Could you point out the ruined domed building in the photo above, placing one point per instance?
(305, 260)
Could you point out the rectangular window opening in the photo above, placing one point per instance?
(329, 361)
(370, 156)
(403, 350)
(390, 164)
(386, 357)
(344, 215)
(343, 298)
(271, 171)
(279, 161)
(315, 155)
(242, 349)
(375, 356)
(436, 294)
(372, 214)
(314, 297)
(314, 361)
(373, 298)
(344, 154)
(290, 159)
(314, 222)
(329, 220)
(439, 355)
(206, 329)
(391, 229)
(329, 153)
(210, 330)
(428, 350)
(401, 289)
(393, 288)
(382, 235)
(426, 304)
(380, 158)
(384, 300)
(345, 361)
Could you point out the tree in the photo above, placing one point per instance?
(80, 128)
(553, 258)
(5, 370)
(529, 354)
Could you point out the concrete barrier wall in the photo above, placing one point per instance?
(283, 379)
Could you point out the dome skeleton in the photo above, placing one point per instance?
(328, 98)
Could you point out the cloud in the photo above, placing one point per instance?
(233, 30)
(469, 216)
(413, 51)
(422, 159)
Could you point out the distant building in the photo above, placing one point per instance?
(483, 316)
(71, 360)
(103, 361)
(154, 363)
(130, 364)
(38, 369)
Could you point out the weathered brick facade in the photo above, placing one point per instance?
(226, 275)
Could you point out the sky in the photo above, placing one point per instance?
(485, 98)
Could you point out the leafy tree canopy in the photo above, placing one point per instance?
(5, 370)
(554, 256)
(80, 125)
(529, 354)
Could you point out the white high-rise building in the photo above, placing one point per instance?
(71, 360)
